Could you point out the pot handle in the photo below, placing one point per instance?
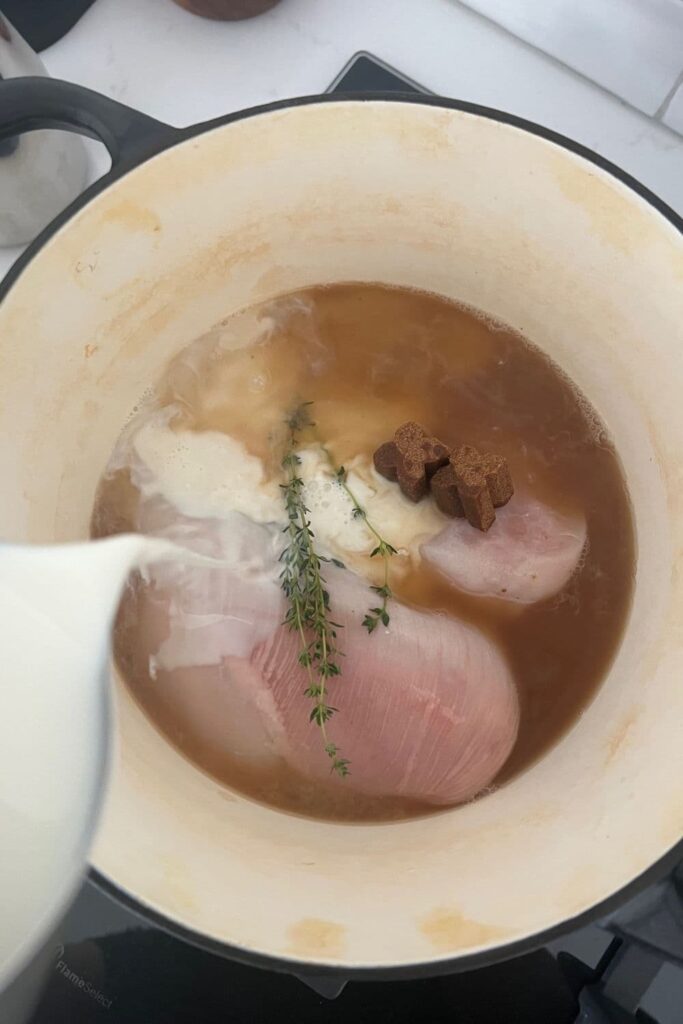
(27, 104)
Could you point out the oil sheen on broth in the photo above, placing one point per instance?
(370, 358)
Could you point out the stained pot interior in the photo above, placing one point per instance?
(479, 211)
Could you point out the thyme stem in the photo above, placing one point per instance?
(303, 584)
(383, 549)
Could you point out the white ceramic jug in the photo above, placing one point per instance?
(57, 606)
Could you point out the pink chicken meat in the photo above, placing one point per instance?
(528, 555)
(427, 710)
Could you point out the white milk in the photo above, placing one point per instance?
(57, 606)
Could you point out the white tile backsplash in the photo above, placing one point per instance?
(181, 69)
(634, 48)
(673, 115)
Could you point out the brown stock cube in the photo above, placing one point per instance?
(464, 482)
(493, 468)
(412, 439)
(415, 457)
(476, 500)
(498, 478)
(465, 458)
(412, 478)
(386, 460)
(483, 482)
(436, 456)
(408, 434)
(445, 490)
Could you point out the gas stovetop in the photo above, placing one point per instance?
(112, 967)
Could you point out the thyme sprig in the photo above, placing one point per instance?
(383, 550)
(301, 579)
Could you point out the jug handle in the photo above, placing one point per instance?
(28, 104)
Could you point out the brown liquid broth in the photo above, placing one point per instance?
(372, 357)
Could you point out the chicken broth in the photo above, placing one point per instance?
(526, 618)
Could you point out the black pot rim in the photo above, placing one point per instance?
(429, 968)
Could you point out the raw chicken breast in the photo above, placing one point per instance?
(190, 621)
(426, 709)
(528, 554)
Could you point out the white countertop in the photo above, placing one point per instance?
(634, 48)
(181, 68)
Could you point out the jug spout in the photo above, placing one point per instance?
(76, 587)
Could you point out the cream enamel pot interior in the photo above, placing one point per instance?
(479, 207)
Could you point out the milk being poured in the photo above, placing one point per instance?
(56, 610)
